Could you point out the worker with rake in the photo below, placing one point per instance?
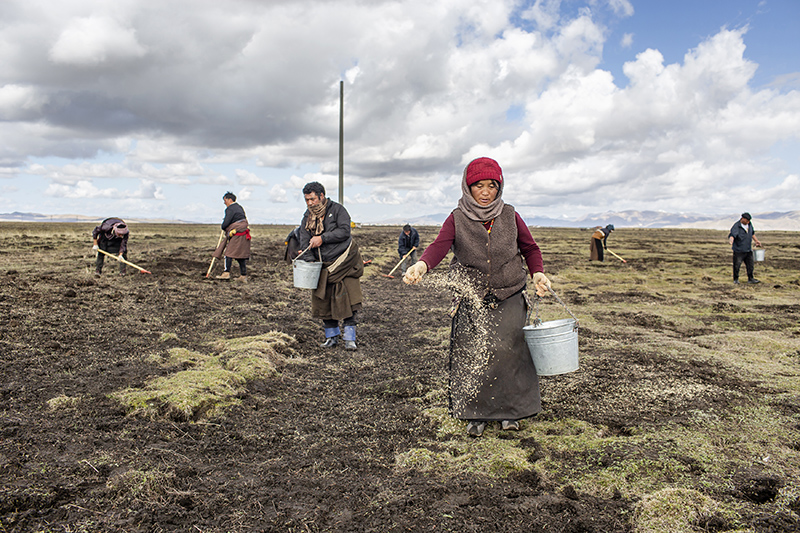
(492, 376)
(599, 242)
(325, 236)
(111, 236)
(407, 245)
(234, 242)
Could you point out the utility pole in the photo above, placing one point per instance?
(341, 142)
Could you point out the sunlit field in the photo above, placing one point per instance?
(171, 401)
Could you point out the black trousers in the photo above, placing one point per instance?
(350, 321)
(747, 257)
(242, 265)
(111, 246)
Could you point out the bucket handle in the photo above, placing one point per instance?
(537, 321)
(304, 251)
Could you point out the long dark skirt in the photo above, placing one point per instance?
(492, 376)
(596, 250)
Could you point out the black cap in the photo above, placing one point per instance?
(747, 216)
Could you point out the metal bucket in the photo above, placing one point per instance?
(553, 346)
(306, 273)
(758, 254)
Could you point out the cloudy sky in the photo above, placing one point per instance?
(153, 109)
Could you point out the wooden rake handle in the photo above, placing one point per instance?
(122, 260)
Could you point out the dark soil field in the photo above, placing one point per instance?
(684, 415)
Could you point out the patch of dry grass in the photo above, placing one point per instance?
(208, 384)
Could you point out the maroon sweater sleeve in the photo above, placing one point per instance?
(530, 250)
(438, 249)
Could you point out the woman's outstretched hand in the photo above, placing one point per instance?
(415, 272)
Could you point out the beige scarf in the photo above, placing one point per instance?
(316, 217)
(473, 209)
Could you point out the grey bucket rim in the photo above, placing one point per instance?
(551, 324)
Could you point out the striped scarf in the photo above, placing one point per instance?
(316, 217)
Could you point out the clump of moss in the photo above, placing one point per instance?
(257, 356)
(675, 510)
(455, 453)
(207, 384)
(166, 337)
(141, 484)
(60, 403)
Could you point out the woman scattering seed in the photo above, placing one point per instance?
(492, 377)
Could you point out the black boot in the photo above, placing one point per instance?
(330, 342)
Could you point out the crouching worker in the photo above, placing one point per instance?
(326, 229)
(492, 376)
(236, 244)
(110, 236)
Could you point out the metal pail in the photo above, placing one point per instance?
(306, 273)
(758, 254)
(553, 346)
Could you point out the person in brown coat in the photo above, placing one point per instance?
(236, 244)
(492, 376)
(598, 244)
(325, 236)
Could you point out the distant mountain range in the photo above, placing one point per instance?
(784, 221)
(37, 217)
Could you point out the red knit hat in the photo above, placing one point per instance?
(483, 168)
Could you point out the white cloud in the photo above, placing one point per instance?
(19, 102)
(244, 194)
(80, 189)
(622, 7)
(89, 41)
(185, 98)
(87, 190)
(278, 194)
(245, 177)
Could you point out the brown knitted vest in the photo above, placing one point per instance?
(492, 262)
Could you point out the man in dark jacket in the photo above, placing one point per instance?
(408, 242)
(326, 228)
(236, 244)
(110, 236)
(741, 237)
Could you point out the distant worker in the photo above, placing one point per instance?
(740, 238)
(599, 238)
(326, 228)
(292, 243)
(110, 236)
(408, 242)
(236, 244)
